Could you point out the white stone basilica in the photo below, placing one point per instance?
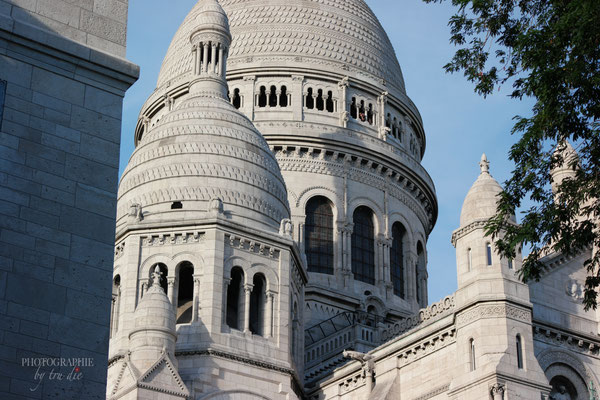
(272, 227)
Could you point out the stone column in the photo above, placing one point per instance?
(339, 241)
(205, 57)
(226, 282)
(196, 300)
(410, 276)
(269, 315)
(343, 88)
(143, 288)
(196, 58)
(379, 261)
(247, 291)
(171, 290)
(213, 59)
(219, 67)
(297, 91)
(248, 107)
(278, 98)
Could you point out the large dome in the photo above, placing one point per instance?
(341, 36)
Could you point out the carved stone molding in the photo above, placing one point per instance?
(434, 392)
(251, 246)
(483, 311)
(428, 346)
(172, 238)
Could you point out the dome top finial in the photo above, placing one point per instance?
(484, 164)
(156, 278)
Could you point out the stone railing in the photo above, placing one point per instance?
(434, 311)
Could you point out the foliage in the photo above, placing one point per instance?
(548, 50)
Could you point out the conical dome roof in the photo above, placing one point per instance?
(342, 36)
(567, 168)
(481, 201)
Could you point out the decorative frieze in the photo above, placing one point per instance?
(483, 311)
(172, 238)
(251, 246)
(119, 248)
(566, 340)
(434, 392)
(427, 346)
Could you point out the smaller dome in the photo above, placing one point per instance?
(567, 167)
(210, 15)
(155, 310)
(481, 201)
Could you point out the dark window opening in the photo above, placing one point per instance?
(388, 122)
(177, 205)
(472, 355)
(370, 114)
(320, 101)
(237, 99)
(262, 97)
(397, 259)
(185, 293)
(519, 352)
(318, 235)
(283, 97)
(353, 108)
(310, 101)
(361, 111)
(258, 300)
(363, 246)
(273, 97)
(488, 249)
(564, 387)
(209, 52)
(329, 104)
(235, 298)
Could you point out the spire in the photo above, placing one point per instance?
(210, 44)
(484, 164)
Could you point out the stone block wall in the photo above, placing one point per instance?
(59, 150)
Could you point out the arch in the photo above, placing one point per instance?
(397, 252)
(318, 235)
(273, 96)
(553, 357)
(185, 292)
(270, 276)
(283, 97)
(331, 195)
(329, 103)
(353, 108)
(146, 267)
(377, 212)
(363, 245)
(235, 299)
(310, 100)
(237, 98)
(239, 262)
(258, 302)
(165, 272)
(262, 97)
(362, 112)
(472, 355)
(370, 114)
(320, 103)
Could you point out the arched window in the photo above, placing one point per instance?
(329, 104)
(472, 365)
(420, 271)
(519, 352)
(388, 122)
(185, 293)
(237, 99)
(363, 245)
(273, 97)
(318, 235)
(353, 108)
(488, 250)
(370, 114)
(395, 128)
(164, 272)
(116, 300)
(510, 263)
(397, 259)
(320, 100)
(235, 298)
(470, 259)
(262, 97)
(283, 97)
(310, 101)
(362, 112)
(258, 301)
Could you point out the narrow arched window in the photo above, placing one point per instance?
(470, 259)
(420, 284)
(388, 122)
(310, 100)
(320, 100)
(362, 115)
(395, 128)
(488, 251)
(472, 365)
(116, 300)
(283, 97)
(510, 263)
(237, 99)
(235, 298)
(318, 235)
(273, 97)
(397, 259)
(370, 114)
(185, 293)
(164, 273)
(519, 352)
(330, 104)
(353, 108)
(363, 245)
(262, 97)
(258, 301)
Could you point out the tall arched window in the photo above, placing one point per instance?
(363, 245)
(310, 101)
(237, 99)
(164, 272)
(185, 293)
(472, 365)
(470, 259)
(116, 300)
(258, 301)
(318, 235)
(519, 352)
(273, 97)
(329, 103)
(397, 259)
(283, 97)
(488, 251)
(353, 108)
(262, 97)
(235, 298)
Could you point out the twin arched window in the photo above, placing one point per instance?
(363, 245)
(247, 307)
(397, 259)
(318, 235)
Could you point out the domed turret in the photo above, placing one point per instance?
(202, 149)
(567, 165)
(481, 201)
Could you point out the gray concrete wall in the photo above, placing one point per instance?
(59, 156)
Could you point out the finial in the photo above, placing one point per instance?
(484, 164)
(156, 277)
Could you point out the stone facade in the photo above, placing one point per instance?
(277, 186)
(63, 80)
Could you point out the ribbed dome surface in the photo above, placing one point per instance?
(482, 198)
(202, 150)
(342, 36)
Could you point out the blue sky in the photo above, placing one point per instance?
(459, 124)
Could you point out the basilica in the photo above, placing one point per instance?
(272, 225)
